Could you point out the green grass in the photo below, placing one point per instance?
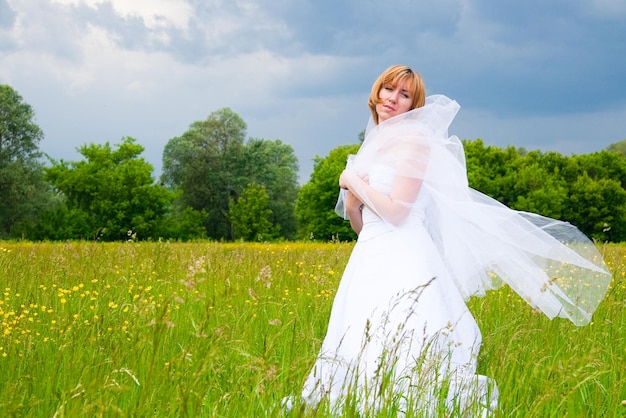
(228, 330)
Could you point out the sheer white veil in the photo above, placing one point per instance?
(549, 263)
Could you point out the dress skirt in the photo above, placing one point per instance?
(399, 331)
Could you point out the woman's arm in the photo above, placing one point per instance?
(354, 209)
(395, 207)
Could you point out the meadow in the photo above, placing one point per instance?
(228, 329)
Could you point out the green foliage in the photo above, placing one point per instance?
(250, 214)
(315, 207)
(598, 207)
(112, 193)
(60, 223)
(602, 165)
(586, 190)
(536, 190)
(488, 169)
(24, 192)
(204, 164)
(183, 225)
(211, 164)
(19, 135)
(619, 147)
(274, 165)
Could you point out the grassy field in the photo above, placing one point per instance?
(228, 330)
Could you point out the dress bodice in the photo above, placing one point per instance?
(381, 178)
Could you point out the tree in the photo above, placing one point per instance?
(597, 195)
(112, 192)
(250, 214)
(274, 165)
(315, 207)
(548, 199)
(598, 208)
(487, 169)
(183, 224)
(211, 164)
(19, 135)
(619, 147)
(534, 182)
(603, 164)
(204, 164)
(24, 192)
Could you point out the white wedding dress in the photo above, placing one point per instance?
(399, 329)
(399, 332)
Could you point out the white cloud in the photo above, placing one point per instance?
(610, 9)
(154, 13)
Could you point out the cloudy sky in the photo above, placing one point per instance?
(542, 74)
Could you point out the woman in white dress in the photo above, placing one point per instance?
(400, 337)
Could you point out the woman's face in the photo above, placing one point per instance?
(394, 100)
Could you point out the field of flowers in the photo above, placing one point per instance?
(229, 329)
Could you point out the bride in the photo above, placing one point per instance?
(400, 335)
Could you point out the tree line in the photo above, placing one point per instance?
(219, 184)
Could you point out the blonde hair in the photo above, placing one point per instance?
(393, 76)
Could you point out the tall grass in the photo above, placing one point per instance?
(228, 330)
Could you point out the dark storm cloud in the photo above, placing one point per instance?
(567, 60)
(362, 27)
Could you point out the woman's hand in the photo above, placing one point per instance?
(348, 177)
